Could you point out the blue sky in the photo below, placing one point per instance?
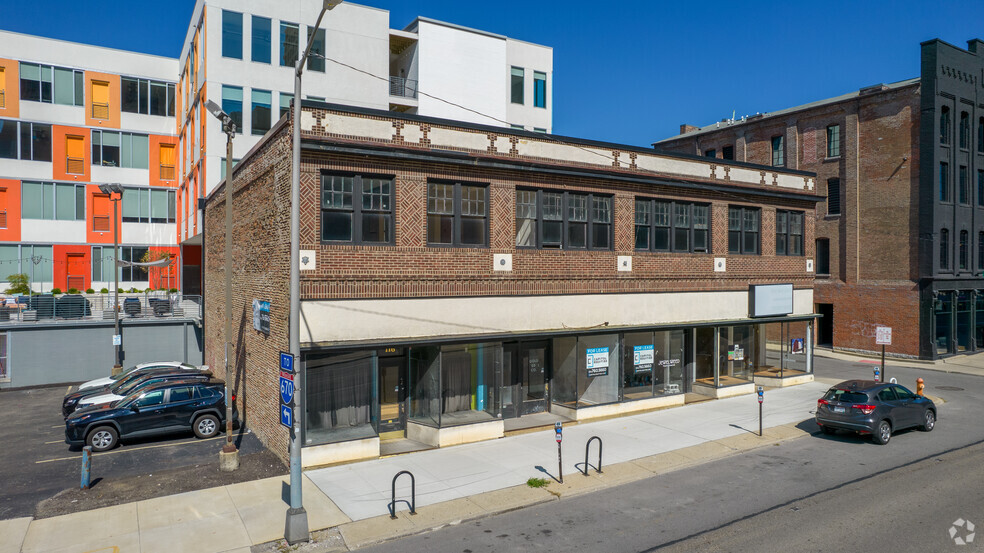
(629, 71)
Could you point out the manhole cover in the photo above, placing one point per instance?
(950, 388)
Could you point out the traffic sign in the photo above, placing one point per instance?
(286, 416)
(286, 362)
(117, 339)
(286, 389)
(883, 335)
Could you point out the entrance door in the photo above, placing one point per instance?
(76, 271)
(533, 367)
(511, 387)
(392, 398)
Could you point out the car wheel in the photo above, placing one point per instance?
(828, 430)
(206, 426)
(882, 433)
(103, 438)
(929, 421)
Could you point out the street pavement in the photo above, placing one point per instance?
(477, 481)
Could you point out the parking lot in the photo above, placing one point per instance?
(36, 463)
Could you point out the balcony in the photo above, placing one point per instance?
(402, 87)
(75, 166)
(167, 172)
(100, 111)
(100, 223)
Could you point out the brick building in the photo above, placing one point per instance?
(900, 236)
(460, 280)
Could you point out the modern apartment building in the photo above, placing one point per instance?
(241, 56)
(73, 117)
(462, 280)
(900, 237)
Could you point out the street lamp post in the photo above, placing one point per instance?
(229, 456)
(296, 525)
(115, 192)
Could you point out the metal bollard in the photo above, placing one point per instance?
(920, 385)
(86, 466)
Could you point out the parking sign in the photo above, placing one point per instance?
(883, 335)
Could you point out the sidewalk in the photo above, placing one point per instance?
(972, 364)
(453, 484)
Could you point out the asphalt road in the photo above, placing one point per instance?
(818, 493)
(36, 463)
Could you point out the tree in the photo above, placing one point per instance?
(18, 284)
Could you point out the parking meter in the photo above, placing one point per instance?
(761, 393)
(761, 396)
(559, 429)
(877, 375)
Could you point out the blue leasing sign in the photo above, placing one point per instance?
(286, 362)
(286, 388)
(286, 416)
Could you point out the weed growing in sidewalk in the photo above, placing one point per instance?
(537, 483)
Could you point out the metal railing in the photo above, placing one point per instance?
(167, 172)
(100, 110)
(75, 166)
(100, 223)
(403, 87)
(75, 307)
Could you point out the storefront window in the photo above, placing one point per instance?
(797, 348)
(425, 385)
(653, 364)
(468, 383)
(737, 352)
(564, 383)
(944, 313)
(963, 320)
(704, 356)
(979, 319)
(598, 369)
(338, 402)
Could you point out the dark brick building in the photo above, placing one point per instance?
(458, 280)
(900, 237)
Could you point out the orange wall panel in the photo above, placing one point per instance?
(12, 199)
(114, 100)
(59, 154)
(161, 278)
(155, 160)
(60, 269)
(94, 204)
(11, 88)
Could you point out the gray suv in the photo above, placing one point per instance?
(872, 407)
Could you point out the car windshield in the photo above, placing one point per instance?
(124, 373)
(129, 386)
(846, 396)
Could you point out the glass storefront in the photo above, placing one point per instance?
(653, 363)
(339, 400)
(944, 314)
(964, 328)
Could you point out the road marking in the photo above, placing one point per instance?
(62, 425)
(69, 390)
(63, 441)
(122, 450)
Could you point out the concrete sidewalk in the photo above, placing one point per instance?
(972, 364)
(453, 484)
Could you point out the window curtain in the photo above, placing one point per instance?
(338, 393)
(456, 386)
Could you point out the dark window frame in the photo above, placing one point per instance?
(787, 236)
(30, 141)
(565, 206)
(356, 210)
(963, 250)
(728, 152)
(540, 89)
(980, 135)
(742, 232)
(652, 228)
(963, 185)
(944, 125)
(517, 85)
(778, 151)
(963, 135)
(833, 141)
(457, 214)
(980, 187)
(980, 251)
(944, 260)
(833, 197)
(946, 194)
(144, 98)
(823, 256)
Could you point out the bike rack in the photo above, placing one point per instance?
(413, 494)
(587, 449)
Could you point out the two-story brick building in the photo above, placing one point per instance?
(459, 280)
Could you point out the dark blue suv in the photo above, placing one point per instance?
(165, 408)
(876, 408)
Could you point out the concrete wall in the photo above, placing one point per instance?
(57, 353)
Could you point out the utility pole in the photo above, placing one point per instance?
(117, 191)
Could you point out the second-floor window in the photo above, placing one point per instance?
(778, 158)
(789, 232)
(823, 256)
(744, 227)
(833, 141)
(728, 152)
(671, 226)
(565, 220)
(148, 205)
(357, 209)
(23, 140)
(49, 84)
(457, 214)
(53, 201)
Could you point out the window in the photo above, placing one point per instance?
(75, 155)
(232, 103)
(743, 230)
(833, 141)
(457, 214)
(166, 157)
(116, 149)
(944, 125)
(962, 259)
(285, 100)
(833, 196)
(261, 45)
(59, 85)
(671, 226)
(964, 186)
(539, 89)
(777, 151)
(964, 129)
(945, 182)
(517, 85)
(146, 96)
(710, 153)
(3, 88)
(53, 202)
(980, 187)
(539, 130)
(980, 135)
(148, 205)
(564, 220)
(102, 263)
(944, 249)
(289, 35)
(100, 100)
(261, 111)
(823, 256)
(222, 166)
(357, 209)
(232, 35)
(980, 251)
(133, 274)
(316, 58)
(728, 152)
(517, 127)
(789, 232)
(23, 140)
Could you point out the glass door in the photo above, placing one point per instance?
(392, 398)
(533, 358)
(512, 382)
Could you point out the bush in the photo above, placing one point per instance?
(173, 290)
(18, 284)
(56, 291)
(90, 291)
(104, 291)
(151, 289)
(133, 290)
(120, 290)
(73, 290)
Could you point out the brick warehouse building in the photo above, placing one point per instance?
(460, 280)
(900, 237)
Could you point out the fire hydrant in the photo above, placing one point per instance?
(919, 386)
